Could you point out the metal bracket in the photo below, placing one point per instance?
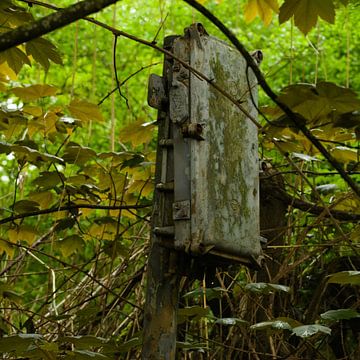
(181, 210)
(156, 92)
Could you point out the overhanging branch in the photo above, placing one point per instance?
(51, 22)
(297, 119)
(71, 208)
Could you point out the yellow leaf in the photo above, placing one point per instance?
(50, 120)
(34, 92)
(7, 247)
(85, 111)
(15, 59)
(22, 233)
(43, 198)
(344, 154)
(7, 71)
(262, 8)
(71, 244)
(32, 110)
(137, 133)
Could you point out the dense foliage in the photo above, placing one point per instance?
(77, 162)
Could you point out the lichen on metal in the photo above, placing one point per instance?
(224, 162)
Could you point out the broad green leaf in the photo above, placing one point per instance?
(345, 277)
(43, 51)
(3, 81)
(339, 98)
(84, 341)
(344, 154)
(15, 58)
(49, 179)
(306, 331)
(262, 8)
(34, 92)
(304, 157)
(275, 325)
(7, 292)
(43, 198)
(348, 120)
(137, 133)
(35, 111)
(340, 314)
(79, 155)
(306, 12)
(192, 313)
(63, 224)
(18, 343)
(23, 233)
(25, 206)
(326, 188)
(85, 111)
(87, 354)
(7, 247)
(210, 293)
(231, 321)
(25, 153)
(265, 288)
(71, 244)
(130, 344)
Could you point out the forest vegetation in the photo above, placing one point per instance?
(78, 145)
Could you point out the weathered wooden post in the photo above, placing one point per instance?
(206, 199)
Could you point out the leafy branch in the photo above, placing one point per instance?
(298, 120)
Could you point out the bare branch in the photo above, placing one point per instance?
(51, 22)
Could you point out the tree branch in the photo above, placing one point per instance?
(298, 120)
(51, 22)
(71, 208)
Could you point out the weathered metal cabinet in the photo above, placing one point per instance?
(215, 150)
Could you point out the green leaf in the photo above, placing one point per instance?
(304, 157)
(137, 133)
(345, 277)
(15, 59)
(275, 324)
(34, 92)
(266, 288)
(85, 111)
(49, 179)
(131, 344)
(338, 98)
(71, 244)
(344, 154)
(18, 343)
(79, 155)
(192, 313)
(25, 206)
(43, 51)
(85, 341)
(306, 331)
(306, 12)
(87, 354)
(340, 314)
(231, 321)
(23, 232)
(7, 292)
(210, 293)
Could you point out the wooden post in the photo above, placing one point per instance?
(206, 194)
(159, 334)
